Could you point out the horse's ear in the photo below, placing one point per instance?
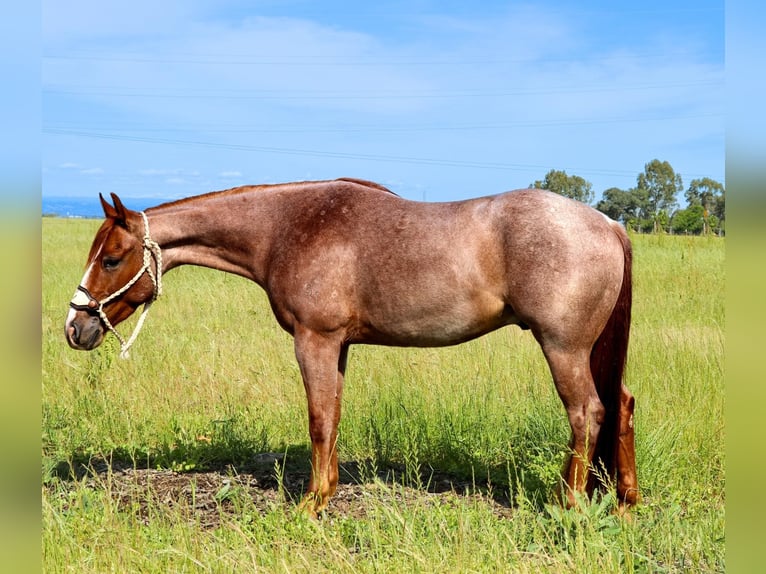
(122, 212)
(109, 211)
(119, 212)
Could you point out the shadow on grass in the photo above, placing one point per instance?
(284, 475)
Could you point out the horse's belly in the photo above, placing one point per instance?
(437, 325)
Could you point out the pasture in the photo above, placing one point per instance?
(190, 455)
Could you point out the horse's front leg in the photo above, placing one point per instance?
(322, 362)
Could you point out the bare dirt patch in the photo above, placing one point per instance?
(266, 485)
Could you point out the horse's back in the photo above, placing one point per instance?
(402, 272)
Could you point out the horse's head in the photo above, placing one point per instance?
(123, 271)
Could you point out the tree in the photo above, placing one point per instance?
(705, 193)
(621, 205)
(689, 220)
(719, 210)
(572, 186)
(661, 185)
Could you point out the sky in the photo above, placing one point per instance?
(438, 100)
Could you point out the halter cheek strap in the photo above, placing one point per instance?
(84, 301)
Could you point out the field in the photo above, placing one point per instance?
(191, 455)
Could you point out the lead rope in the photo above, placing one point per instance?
(151, 250)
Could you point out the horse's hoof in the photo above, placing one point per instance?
(629, 496)
(623, 511)
(311, 505)
(626, 505)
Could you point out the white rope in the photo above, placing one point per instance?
(151, 250)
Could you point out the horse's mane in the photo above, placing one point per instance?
(366, 183)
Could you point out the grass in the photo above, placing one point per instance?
(455, 452)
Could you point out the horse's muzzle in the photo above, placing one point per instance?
(83, 331)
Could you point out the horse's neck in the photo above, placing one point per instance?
(216, 232)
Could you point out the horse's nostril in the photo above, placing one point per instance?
(74, 332)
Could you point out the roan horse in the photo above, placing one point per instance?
(348, 261)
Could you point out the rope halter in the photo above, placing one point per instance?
(84, 301)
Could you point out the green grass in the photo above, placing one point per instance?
(212, 381)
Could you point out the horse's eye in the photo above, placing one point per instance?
(110, 263)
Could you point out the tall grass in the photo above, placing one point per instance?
(212, 381)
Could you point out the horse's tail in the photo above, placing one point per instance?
(607, 365)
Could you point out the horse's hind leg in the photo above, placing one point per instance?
(574, 383)
(322, 362)
(627, 479)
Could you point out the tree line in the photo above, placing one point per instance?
(652, 205)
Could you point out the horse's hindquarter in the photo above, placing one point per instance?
(565, 266)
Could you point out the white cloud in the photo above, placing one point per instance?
(92, 171)
(230, 174)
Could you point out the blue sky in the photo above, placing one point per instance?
(438, 100)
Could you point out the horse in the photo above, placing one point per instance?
(348, 261)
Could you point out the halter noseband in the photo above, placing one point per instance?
(84, 301)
